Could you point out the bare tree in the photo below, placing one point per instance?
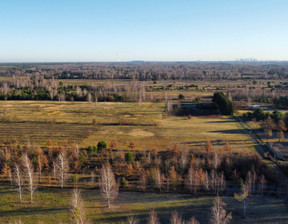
(153, 218)
(30, 177)
(219, 215)
(207, 181)
(175, 219)
(245, 191)
(262, 184)
(78, 215)
(158, 178)
(109, 187)
(54, 169)
(193, 220)
(183, 159)
(132, 220)
(18, 180)
(62, 167)
(268, 125)
(281, 128)
(189, 180)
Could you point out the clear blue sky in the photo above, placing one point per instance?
(161, 30)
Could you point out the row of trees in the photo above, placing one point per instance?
(269, 122)
(281, 102)
(25, 177)
(259, 115)
(209, 170)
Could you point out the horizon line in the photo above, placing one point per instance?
(143, 61)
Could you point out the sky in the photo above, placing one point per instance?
(150, 30)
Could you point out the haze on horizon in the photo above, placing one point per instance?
(162, 30)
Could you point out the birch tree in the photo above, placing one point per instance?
(108, 185)
(193, 220)
(153, 217)
(78, 215)
(132, 220)
(62, 168)
(18, 180)
(176, 219)
(30, 177)
(219, 215)
(189, 180)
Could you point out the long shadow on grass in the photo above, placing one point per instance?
(216, 143)
(200, 212)
(219, 122)
(31, 211)
(231, 131)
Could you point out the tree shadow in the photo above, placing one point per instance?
(231, 131)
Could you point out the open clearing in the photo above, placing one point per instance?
(52, 206)
(146, 125)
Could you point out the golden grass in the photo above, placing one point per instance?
(145, 125)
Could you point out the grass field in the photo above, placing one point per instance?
(52, 205)
(146, 125)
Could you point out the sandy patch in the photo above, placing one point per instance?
(140, 133)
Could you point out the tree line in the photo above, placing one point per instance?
(209, 171)
(151, 71)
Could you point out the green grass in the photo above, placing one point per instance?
(145, 125)
(52, 205)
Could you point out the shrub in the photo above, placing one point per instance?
(101, 145)
(129, 157)
(181, 96)
(123, 182)
(92, 149)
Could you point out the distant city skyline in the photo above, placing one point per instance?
(170, 30)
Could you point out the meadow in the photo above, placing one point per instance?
(85, 123)
(108, 140)
(52, 206)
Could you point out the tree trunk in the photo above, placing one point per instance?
(20, 195)
(31, 197)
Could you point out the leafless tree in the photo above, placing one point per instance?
(262, 184)
(268, 125)
(175, 219)
(62, 167)
(78, 215)
(189, 180)
(169, 106)
(143, 180)
(132, 220)
(207, 181)
(18, 180)
(158, 179)
(153, 218)
(219, 215)
(193, 220)
(245, 188)
(109, 187)
(216, 160)
(89, 97)
(184, 159)
(30, 177)
(54, 169)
